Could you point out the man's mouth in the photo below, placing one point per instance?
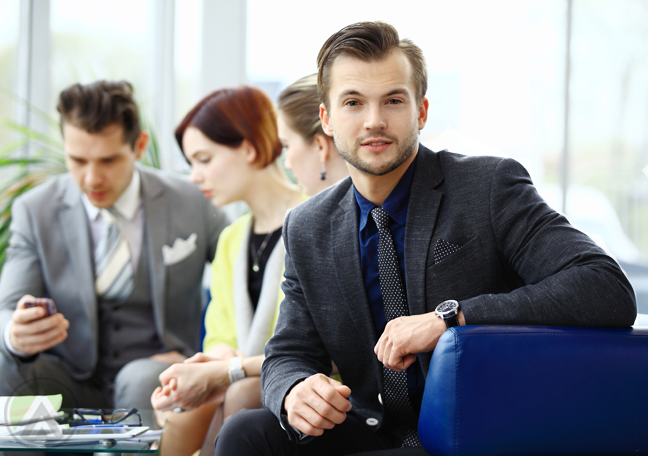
(376, 145)
(97, 195)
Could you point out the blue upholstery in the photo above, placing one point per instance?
(518, 390)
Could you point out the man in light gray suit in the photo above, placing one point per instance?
(413, 243)
(119, 248)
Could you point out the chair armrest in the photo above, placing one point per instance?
(518, 390)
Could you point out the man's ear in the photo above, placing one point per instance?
(323, 144)
(141, 144)
(423, 113)
(326, 120)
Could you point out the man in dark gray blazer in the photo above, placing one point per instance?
(101, 349)
(450, 239)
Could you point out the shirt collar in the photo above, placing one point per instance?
(127, 203)
(396, 203)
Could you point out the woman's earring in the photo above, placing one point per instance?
(323, 173)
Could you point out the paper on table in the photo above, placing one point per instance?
(27, 409)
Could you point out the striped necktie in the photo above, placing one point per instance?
(395, 304)
(113, 267)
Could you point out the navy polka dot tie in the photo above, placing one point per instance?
(395, 303)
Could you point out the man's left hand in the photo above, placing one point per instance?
(405, 337)
(171, 357)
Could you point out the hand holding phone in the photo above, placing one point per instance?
(36, 325)
(44, 303)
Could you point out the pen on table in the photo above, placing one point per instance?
(92, 426)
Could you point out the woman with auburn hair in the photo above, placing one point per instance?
(310, 154)
(230, 139)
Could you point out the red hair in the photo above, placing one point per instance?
(229, 116)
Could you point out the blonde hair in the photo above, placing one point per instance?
(299, 103)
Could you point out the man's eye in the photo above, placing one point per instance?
(204, 161)
(352, 103)
(394, 102)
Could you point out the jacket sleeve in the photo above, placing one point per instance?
(569, 280)
(295, 351)
(21, 273)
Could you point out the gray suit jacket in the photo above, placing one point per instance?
(520, 263)
(50, 254)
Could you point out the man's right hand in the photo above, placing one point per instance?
(30, 333)
(316, 404)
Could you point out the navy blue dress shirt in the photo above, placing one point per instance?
(396, 204)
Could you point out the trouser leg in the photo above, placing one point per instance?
(258, 433)
(134, 385)
(253, 433)
(49, 375)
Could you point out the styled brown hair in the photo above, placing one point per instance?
(93, 107)
(369, 42)
(229, 116)
(299, 103)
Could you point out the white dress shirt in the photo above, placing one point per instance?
(130, 218)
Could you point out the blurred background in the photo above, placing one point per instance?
(560, 85)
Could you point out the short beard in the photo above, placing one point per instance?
(404, 151)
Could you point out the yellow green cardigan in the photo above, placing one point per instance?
(229, 318)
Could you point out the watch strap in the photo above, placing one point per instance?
(452, 321)
(236, 371)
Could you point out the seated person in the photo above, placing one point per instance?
(310, 154)
(306, 147)
(119, 248)
(414, 243)
(230, 140)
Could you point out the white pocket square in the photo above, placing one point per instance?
(181, 249)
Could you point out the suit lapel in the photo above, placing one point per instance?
(346, 254)
(73, 221)
(155, 229)
(421, 218)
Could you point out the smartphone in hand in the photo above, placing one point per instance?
(45, 303)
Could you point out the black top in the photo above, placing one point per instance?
(255, 278)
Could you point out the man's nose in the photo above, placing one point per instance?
(375, 118)
(94, 176)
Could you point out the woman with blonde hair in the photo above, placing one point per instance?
(310, 154)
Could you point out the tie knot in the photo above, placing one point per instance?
(108, 215)
(381, 217)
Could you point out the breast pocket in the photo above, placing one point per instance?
(459, 273)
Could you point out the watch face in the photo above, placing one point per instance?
(447, 307)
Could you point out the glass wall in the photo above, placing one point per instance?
(9, 20)
(495, 68)
(103, 39)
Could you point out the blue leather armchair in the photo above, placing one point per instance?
(511, 390)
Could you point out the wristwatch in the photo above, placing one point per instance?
(236, 371)
(448, 311)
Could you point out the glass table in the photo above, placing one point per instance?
(103, 446)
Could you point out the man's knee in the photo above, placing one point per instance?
(46, 375)
(253, 432)
(138, 376)
(134, 385)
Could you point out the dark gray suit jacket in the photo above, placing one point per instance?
(50, 254)
(520, 263)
